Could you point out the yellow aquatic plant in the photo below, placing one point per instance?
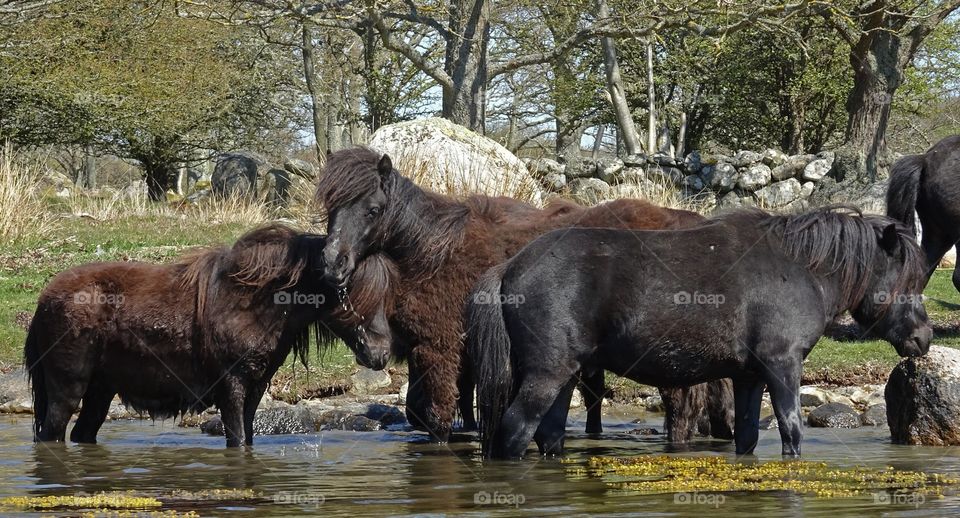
(96, 501)
(664, 474)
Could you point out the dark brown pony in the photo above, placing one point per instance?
(442, 245)
(209, 329)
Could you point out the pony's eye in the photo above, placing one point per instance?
(374, 212)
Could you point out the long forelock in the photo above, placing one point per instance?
(350, 174)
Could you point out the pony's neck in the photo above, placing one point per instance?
(422, 228)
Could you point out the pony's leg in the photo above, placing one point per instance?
(935, 245)
(720, 408)
(96, 404)
(683, 406)
(63, 400)
(230, 399)
(533, 401)
(549, 435)
(465, 386)
(592, 389)
(747, 394)
(250, 404)
(956, 272)
(784, 388)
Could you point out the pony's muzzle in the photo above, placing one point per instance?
(339, 266)
(918, 343)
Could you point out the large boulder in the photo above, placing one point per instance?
(279, 420)
(923, 399)
(368, 381)
(792, 167)
(236, 174)
(15, 394)
(301, 168)
(444, 157)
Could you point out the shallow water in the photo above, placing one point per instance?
(398, 473)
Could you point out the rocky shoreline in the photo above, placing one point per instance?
(373, 404)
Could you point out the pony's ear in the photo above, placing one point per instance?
(890, 238)
(385, 167)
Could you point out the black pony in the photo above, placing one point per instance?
(212, 328)
(929, 184)
(745, 296)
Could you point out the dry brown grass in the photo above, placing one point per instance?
(22, 211)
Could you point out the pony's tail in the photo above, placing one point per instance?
(32, 354)
(903, 190)
(488, 346)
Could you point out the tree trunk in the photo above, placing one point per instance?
(878, 72)
(618, 98)
(465, 61)
(682, 134)
(651, 103)
(309, 76)
(159, 176)
(598, 141)
(89, 171)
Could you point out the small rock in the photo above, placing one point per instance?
(724, 177)
(834, 415)
(553, 182)
(666, 174)
(807, 189)
(816, 170)
(14, 387)
(792, 167)
(693, 182)
(780, 194)
(586, 169)
(272, 421)
(589, 191)
(692, 163)
(754, 177)
(367, 381)
(576, 401)
(774, 158)
(634, 161)
(644, 431)
(813, 396)
(610, 169)
(402, 395)
(301, 168)
(746, 158)
(769, 423)
(874, 415)
(544, 166)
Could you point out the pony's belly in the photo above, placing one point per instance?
(665, 363)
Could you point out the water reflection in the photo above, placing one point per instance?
(399, 473)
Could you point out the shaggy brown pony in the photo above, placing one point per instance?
(442, 245)
(211, 328)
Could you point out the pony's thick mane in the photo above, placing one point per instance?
(271, 257)
(837, 240)
(419, 226)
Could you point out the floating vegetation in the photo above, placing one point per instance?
(664, 474)
(96, 501)
(121, 504)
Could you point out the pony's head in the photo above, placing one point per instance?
(875, 265)
(353, 188)
(892, 305)
(360, 316)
